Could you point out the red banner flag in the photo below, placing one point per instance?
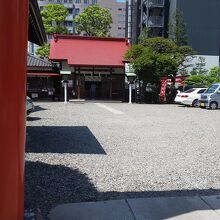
(163, 82)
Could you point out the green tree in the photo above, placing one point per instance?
(143, 35)
(53, 17)
(199, 68)
(157, 57)
(196, 80)
(94, 21)
(177, 28)
(215, 73)
(184, 55)
(206, 80)
(43, 51)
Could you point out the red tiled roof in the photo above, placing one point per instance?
(89, 51)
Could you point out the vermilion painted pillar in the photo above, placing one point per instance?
(13, 45)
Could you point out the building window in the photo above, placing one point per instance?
(86, 1)
(120, 9)
(68, 23)
(70, 10)
(121, 35)
(121, 15)
(94, 2)
(78, 1)
(77, 10)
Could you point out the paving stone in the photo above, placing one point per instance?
(178, 208)
(213, 202)
(109, 210)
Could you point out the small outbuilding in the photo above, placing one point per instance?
(93, 66)
(43, 79)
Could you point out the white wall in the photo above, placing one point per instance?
(211, 61)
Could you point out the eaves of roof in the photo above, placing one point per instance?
(37, 32)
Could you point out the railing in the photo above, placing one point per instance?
(154, 3)
(153, 21)
(69, 17)
(156, 21)
(69, 5)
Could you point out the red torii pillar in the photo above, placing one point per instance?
(13, 56)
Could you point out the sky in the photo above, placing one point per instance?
(121, 0)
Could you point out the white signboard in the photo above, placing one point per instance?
(65, 72)
(129, 68)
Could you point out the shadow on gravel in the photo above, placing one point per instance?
(62, 139)
(38, 108)
(50, 185)
(29, 118)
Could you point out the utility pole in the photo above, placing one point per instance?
(130, 21)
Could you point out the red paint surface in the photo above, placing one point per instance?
(13, 45)
(89, 51)
(43, 74)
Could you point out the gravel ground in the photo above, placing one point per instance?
(82, 152)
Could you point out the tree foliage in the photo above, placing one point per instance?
(43, 51)
(143, 35)
(157, 57)
(199, 68)
(204, 79)
(177, 28)
(53, 17)
(94, 21)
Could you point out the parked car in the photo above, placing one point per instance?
(29, 105)
(211, 97)
(190, 97)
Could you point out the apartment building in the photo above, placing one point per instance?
(69, 4)
(75, 7)
(202, 19)
(149, 16)
(203, 30)
(118, 12)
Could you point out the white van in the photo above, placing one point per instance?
(211, 97)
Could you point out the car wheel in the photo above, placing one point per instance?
(213, 105)
(195, 103)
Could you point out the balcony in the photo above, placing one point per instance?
(69, 17)
(156, 21)
(153, 21)
(68, 5)
(154, 3)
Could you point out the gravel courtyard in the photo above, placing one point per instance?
(89, 152)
